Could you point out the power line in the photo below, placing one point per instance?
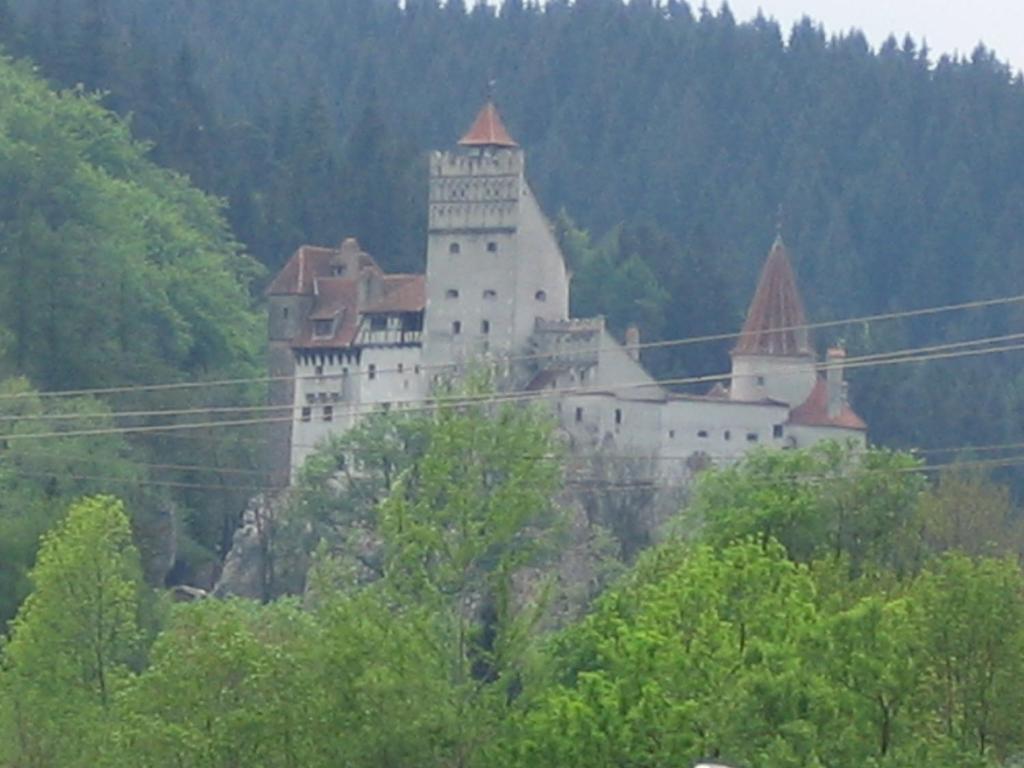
(431, 404)
(882, 358)
(138, 481)
(34, 456)
(157, 387)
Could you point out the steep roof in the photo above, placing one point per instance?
(813, 412)
(400, 293)
(311, 262)
(776, 306)
(487, 130)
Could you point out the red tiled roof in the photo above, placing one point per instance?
(813, 412)
(487, 130)
(776, 305)
(296, 276)
(402, 293)
(336, 297)
(311, 262)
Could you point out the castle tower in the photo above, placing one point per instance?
(774, 359)
(493, 265)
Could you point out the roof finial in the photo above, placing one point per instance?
(491, 86)
(778, 222)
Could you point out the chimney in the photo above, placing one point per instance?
(834, 386)
(633, 342)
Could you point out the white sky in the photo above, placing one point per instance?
(947, 25)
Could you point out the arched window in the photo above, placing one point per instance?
(454, 248)
(541, 296)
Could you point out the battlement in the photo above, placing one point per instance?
(574, 325)
(477, 162)
(475, 189)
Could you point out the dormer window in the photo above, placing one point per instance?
(323, 329)
(337, 270)
(454, 248)
(378, 322)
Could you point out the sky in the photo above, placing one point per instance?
(947, 25)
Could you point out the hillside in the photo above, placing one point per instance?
(674, 136)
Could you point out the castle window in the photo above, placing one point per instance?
(378, 323)
(752, 437)
(490, 293)
(284, 313)
(760, 381)
(456, 327)
(323, 328)
(454, 248)
(328, 413)
(485, 326)
(451, 293)
(671, 434)
(307, 413)
(541, 296)
(416, 369)
(371, 372)
(319, 370)
(777, 431)
(400, 367)
(618, 416)
(702, 433)
(492, 247)
(579, 415)
(728, 435)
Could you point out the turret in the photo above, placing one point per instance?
(493, 266)
(773, 358)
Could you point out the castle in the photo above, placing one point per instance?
(347, 338)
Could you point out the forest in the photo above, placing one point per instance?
(446, 604)
(809, 608)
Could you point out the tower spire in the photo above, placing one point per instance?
(487, 130)
(776, 322)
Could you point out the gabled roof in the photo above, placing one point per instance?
(401, 293)
(336, 299)
(776, 306)
(813, 412)
(487, 130)
(311, 262)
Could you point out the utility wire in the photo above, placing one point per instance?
(158, 387)
(880, 358)
(434, 403)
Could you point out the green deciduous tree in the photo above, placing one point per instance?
(75, 638)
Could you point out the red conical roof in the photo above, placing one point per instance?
(776, 306)
(487, 130)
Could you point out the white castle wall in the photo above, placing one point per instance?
(786, 379)
(493, 266)
(346, 387)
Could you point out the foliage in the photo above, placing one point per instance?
(114, 271)
(827, 500)
(76, 636)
